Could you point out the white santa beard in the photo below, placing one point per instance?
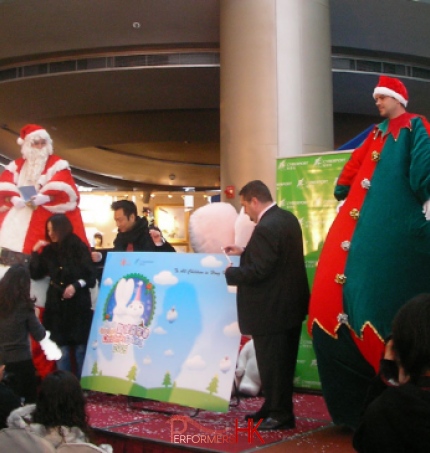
(35, 161)
(16, 223)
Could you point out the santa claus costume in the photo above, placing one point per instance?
(23, 220)
(376, 255)
(23, 224)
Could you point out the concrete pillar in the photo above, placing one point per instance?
(276, 86)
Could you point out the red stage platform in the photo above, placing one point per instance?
(132, 425)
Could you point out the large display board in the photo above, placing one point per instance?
(305, 187)
(165, 328)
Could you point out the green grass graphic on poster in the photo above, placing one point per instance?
(304, 186)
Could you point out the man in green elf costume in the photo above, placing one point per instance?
(377, 252)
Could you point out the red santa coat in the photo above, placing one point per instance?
(21, 228)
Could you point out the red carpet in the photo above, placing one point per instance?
(151, 426)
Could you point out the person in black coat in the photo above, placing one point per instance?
(272, 299)
(9, 400)
(19, 323)
(133, 231)
(66, 259)
(397, 414)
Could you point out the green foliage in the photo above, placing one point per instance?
(131, 376)
(95, 370)
(213, 385)
(167, 381)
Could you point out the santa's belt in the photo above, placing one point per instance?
(9, 257)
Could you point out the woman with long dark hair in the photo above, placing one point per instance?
(17, 320)
(59, 414)
(66, 259)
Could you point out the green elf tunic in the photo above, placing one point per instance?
(376, 256)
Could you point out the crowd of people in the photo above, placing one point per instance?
(42, 237)
(386, 183)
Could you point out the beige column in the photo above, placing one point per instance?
(276, 86)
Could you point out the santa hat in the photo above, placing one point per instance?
(31, 131)
(389, 86)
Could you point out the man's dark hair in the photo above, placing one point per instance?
(256, 189)
(411, 336)
(127, 206)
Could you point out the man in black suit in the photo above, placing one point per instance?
(272, 299)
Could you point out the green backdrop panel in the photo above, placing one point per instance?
(305, 187)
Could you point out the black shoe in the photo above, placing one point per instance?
(256, 416)
(270, 423)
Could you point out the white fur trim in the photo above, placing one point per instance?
(61, 187)
(15, 227)
(388, 92)
(58, 166)
(17, 418)
(12, 167)
(9, 187)
(42, 133)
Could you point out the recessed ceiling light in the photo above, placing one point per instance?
(136, 24)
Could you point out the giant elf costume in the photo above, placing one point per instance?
(22, 222)
(376, 255)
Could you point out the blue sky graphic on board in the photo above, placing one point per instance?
(161, 313)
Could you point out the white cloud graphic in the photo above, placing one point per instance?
(160, 331)
(232, 330)
(169, 352)
(195, 363)
(225, 364)
(210, 261)
(108, 282)
(147, 360)
(165, 278)
(172, 315)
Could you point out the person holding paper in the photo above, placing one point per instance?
(32, 188)
(272, 299)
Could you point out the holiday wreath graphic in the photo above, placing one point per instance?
(131, 301)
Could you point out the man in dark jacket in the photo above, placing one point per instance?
(133, 232)
(272, 299)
